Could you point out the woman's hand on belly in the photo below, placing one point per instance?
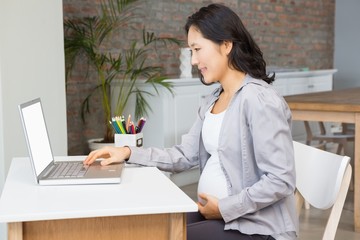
(209, 206)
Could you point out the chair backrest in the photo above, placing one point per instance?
(322, 179)
(309, 130)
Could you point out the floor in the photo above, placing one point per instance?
(312, 221)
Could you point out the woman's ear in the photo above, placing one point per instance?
(227, 46)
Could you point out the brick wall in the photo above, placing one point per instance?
(291, 33)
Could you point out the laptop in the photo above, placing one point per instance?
(51, 172)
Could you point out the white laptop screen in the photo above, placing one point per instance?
(37, 137)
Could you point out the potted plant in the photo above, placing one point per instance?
(89, 37)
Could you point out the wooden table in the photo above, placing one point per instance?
(145, 205)
(333, 106)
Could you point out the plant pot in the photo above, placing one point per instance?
(185, 63)
(96, 143)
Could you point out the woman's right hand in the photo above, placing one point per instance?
(110, 155)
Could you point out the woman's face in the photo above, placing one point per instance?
(210, 58)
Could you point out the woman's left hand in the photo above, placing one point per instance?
(209, 207)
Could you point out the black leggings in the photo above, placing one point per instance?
(198, 228)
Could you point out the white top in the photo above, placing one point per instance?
(143, 190)
(212, 180)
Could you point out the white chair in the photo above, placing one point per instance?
(322, 179)
(341, 139)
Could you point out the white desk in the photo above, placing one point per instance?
(145, 201)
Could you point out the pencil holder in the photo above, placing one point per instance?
(135, 140)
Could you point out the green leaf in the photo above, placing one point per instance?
(87, 41)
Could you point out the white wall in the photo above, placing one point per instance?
(347, 47)
(2, 156)
(31, 65)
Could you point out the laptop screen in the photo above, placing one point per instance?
(36, 135)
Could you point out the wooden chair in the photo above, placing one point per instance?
(340, 138)
(348, 128)
(322, 179)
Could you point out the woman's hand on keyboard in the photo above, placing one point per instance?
(109, 155)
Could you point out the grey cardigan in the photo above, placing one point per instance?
(255, 153)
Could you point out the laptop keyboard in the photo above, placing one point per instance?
(69, 170)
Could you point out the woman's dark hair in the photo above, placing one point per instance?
(218, 23)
